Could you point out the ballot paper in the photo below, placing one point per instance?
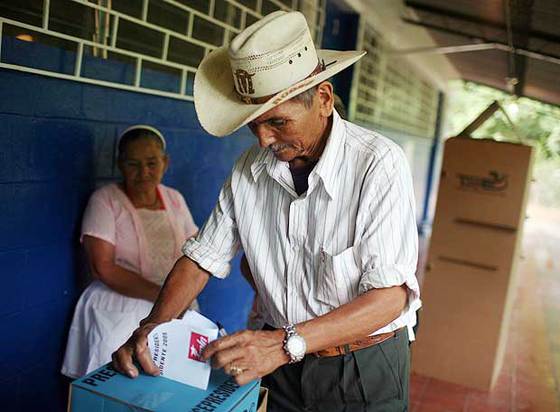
(177, 346)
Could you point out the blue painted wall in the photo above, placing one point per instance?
(57, 145)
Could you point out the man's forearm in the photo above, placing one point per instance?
(258, 353)
(181, 288)
(354, 320)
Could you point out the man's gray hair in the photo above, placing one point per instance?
(306, 97)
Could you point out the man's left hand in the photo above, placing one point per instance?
(248, 355)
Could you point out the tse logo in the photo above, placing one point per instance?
(198, 343)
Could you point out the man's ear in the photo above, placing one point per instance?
(326, 98)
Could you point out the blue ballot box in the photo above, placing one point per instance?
(105, 390)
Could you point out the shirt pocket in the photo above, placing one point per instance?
(338, 277)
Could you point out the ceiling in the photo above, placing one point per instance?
(513, 45)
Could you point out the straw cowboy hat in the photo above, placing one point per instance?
(265, 65)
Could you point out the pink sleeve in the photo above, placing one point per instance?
(99, 219)
(190, 227)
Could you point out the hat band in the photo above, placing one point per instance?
(261, 100)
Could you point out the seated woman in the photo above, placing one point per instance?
(132, 233)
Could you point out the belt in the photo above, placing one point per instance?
(356, 345)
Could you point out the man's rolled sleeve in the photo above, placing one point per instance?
(389, 247)
(218, 241)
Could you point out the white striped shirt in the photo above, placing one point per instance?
(353, 230)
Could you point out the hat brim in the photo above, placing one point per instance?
(219, 108)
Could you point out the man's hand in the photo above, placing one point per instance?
(136, 347)
(181, 287)
(248, 355)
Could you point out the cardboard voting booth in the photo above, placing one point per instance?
(468, 288)
(108, 391)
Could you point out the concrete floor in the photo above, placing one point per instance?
(530, 377)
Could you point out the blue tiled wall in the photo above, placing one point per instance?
(57, 145)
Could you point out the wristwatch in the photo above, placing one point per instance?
(294, 344)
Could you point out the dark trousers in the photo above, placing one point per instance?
(370, 379)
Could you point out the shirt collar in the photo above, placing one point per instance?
(332, 157)
(327, 167)
(263, 158)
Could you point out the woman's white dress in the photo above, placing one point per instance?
(104, 319)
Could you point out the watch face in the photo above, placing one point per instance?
(296, 345)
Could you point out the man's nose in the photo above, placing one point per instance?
(264, 134)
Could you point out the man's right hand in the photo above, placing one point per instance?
(181, 287)
(136, 348)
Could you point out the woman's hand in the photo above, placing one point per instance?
(248, 355)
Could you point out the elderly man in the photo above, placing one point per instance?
(324, 212)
